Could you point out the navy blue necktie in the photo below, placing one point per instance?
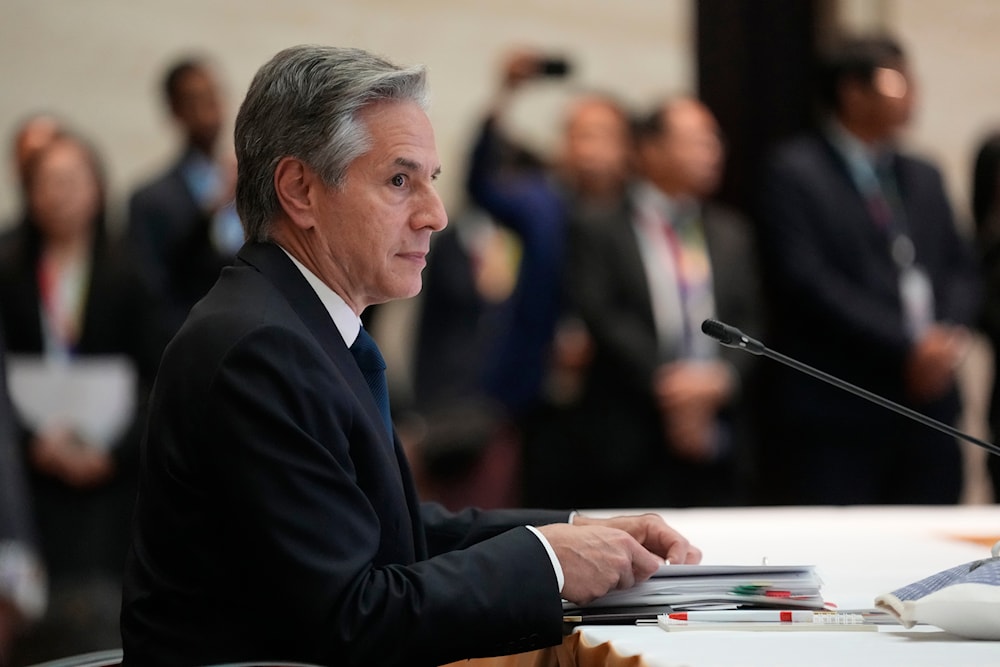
(372, 366)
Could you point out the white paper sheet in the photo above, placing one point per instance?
(94, 396)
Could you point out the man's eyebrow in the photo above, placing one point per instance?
(413, 165)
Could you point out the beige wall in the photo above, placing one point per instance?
(98, 62)
(955, 55)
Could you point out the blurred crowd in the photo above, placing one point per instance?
(558, 358)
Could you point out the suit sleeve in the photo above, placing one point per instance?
(958, 285)
(522, 199)
(447, 531)
(289, 464)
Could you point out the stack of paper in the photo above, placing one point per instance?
(683, 587)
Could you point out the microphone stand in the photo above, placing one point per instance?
(732, 337)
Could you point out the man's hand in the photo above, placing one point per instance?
(653, 533)
(930, 368)
(597, 559)
(601, 555)
(519, 66)
(690, 395)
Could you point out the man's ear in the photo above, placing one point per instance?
(297, 187)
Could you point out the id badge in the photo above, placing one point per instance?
(917, 296)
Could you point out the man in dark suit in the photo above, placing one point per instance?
(867, 279)
(182, 224)
(276, 517)
(658, 417)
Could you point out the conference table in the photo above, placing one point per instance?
(859, 552)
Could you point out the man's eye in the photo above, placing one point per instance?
(399, 180)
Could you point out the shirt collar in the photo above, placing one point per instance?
(849, 145)
(862, 159)
(346, 321)
(651, 198)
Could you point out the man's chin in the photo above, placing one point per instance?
(405, 290)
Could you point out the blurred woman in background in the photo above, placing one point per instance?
(68, 296)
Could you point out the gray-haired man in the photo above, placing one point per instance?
(276, 517)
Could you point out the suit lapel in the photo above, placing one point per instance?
(272, 262)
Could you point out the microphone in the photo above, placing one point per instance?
(730, 336)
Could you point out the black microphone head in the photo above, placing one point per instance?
(730, 336)
(718, 331)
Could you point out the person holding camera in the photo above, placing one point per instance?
(533, 198)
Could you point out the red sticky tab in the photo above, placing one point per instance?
(786, 616)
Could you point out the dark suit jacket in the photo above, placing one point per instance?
(276, 520)
(622, 434)
(170, 235)
(83, 530)
(832, 285)
(16, 518)
(833, 291)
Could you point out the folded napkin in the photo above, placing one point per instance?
(964, 600)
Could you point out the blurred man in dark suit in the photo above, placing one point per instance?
(867, 279)
(277, 518)
(183, 224)
(659, 415)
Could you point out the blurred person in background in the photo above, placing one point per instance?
(22, 577)
(30, 135)
(535, 199)
(68, 296)
(517, 309)
(868, 279)
(183, 225)
(659, 420)
(277, 518)
(986, 215)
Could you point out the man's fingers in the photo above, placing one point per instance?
(683, 553)
(644, 564)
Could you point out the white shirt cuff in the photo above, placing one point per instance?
(560, 578)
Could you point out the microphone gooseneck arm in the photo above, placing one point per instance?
(730, 336)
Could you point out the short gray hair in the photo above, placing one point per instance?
(304, 103)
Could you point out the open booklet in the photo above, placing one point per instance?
(692, 587)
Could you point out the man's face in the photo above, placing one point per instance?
(687, 159)
(597, 146)
(892, 96)
(198, 108)
(376, 227)
(879, 109)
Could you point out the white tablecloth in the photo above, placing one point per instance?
(860, 552)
